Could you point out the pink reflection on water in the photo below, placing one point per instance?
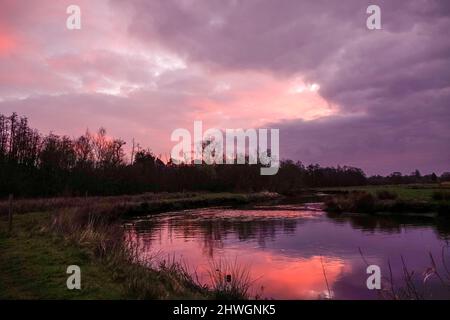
(284, 248)
(275, 274)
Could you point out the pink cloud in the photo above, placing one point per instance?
(144, 68)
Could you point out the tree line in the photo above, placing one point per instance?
(32, 165)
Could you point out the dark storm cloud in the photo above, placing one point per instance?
(392, 85)
(170, 62)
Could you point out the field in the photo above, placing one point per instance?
(422, 192)
(414, 198)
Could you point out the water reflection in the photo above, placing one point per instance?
(288, 248)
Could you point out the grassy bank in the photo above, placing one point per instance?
(34, 258)
(389, 199)
(33, 264)
(87, 232)
(146, 203)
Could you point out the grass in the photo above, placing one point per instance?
(420, 192)
(138, 204)
(104, 240)
(390, 199)
(88, 233)
(413, 285)
(229, 279)
(34, 258)
(33, 265)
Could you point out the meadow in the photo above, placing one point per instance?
(390, 199)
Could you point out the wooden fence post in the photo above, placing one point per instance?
(10, 216)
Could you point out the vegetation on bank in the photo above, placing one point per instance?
(33, 264)
(89, 233)
(34, 258)
(147, 203)
(414, 198)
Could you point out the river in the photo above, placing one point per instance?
(301, 252)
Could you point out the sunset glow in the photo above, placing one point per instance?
(140, 65)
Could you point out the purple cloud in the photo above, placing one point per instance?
(142, 68)
(392, 86)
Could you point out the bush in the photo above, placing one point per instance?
(441, 195)
(386, 195)
(363, 202)
(356, 201)
(444, 209)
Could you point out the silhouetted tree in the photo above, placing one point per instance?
(35, 165)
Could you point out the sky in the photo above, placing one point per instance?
(339, 93)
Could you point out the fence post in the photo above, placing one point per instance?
(10, 215)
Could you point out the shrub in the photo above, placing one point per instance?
(441, 195)
(386, 195)
(363, 202)
(356, 201)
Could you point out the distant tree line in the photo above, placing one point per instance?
(32, 164)
(414, 177)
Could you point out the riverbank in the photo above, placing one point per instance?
(146, 203)
(398, 199)
(50, 234)
(35, 256)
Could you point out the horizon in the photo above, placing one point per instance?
(166, 157)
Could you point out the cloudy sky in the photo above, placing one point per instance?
(339, 93)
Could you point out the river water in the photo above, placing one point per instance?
(301, 252)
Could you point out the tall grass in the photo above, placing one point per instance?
(229, 279)
(104, 240)
(441, 196)
(136, 204)
(413, 284)
(384, 201)
(356, 201)
(94, 224)
(386, 195)
(102, 234)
